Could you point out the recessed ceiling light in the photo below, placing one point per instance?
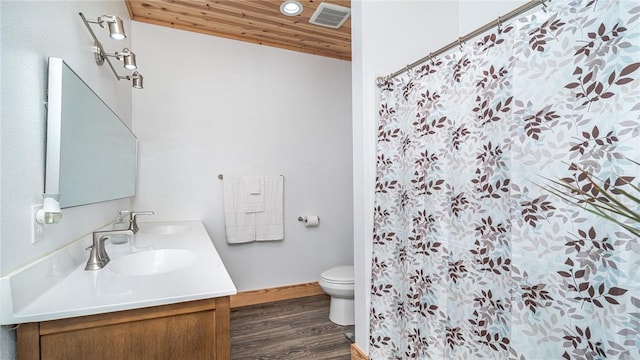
(290, 8)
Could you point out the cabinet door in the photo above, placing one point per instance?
(185, 336)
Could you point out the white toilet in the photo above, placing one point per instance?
(337, 282)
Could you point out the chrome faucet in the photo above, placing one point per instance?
(133, 220)
(98, 256)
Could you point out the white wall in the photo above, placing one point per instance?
(386, 36)
(216, 106)
(31, 31)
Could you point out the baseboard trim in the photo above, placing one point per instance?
(263, 296)
(357, 353)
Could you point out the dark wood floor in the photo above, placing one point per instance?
(291, 329)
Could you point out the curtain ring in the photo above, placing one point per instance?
(499, 23)
(460, 43)
(408, 69)
(431, 59)
(544, 5)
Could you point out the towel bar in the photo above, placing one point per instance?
(221, 177)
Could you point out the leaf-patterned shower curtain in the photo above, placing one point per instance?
(472, 258)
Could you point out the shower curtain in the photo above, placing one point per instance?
(472, 257)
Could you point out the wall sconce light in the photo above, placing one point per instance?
(116, 31)
(135, 78)
(127, 56)
(114, 23)
(50, 212)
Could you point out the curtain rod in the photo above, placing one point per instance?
(498, 22)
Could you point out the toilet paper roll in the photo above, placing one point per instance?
(310, 221)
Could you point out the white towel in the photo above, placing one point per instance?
(255, 184)
(270, 222)
(240, 226)
(253, 190)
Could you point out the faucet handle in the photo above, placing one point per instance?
(122, 214)
(133, 214)
(133, 222)
(93, 263)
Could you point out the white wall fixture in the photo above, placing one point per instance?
(37, 229)
(46, 214)
(291, 8)
(116, 31)
(330, 15)
(50, 212)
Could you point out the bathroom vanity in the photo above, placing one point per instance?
(191, 330)
(164, 297)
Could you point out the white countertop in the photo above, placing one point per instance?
(83, 292)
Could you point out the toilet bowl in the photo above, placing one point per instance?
(337, 282)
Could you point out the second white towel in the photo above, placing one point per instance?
(270, 222)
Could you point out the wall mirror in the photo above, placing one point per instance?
(91, 154)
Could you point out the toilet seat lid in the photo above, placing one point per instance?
(339, 274)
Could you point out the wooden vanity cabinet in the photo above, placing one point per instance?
(191, 330)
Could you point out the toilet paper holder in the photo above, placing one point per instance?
(301, 218)
(309, 220)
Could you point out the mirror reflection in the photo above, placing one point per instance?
(91, 153)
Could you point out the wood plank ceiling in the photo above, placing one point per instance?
(255, 21)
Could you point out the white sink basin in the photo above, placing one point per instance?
(168, 229)
(153, 262)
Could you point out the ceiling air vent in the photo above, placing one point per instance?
(330, 15)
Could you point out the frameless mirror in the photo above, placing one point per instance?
(91, 154)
